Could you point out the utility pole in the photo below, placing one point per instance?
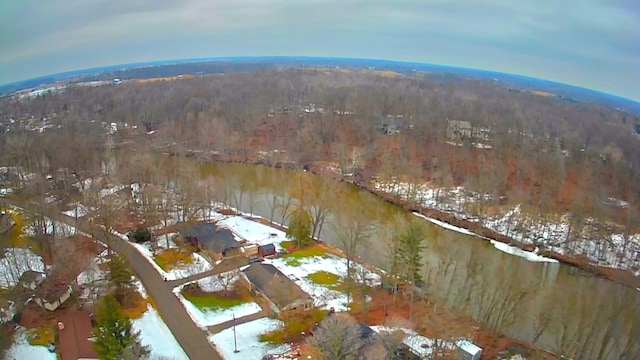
(235, 340)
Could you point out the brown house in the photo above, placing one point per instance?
(74, 332)
(281, 292)
(217, 242)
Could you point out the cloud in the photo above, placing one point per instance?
(585, 42)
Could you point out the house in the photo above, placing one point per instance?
(217, 242)
(369, 336)
(6, 222)
(74, 332)
(52, 293)
(459, 129)
(266, 250)
(30, 279)
(280, 291)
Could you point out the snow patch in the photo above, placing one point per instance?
(155, 334)
(15, 262)
(21, 349)
(248, 340)
(509, 249)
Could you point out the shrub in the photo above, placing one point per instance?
(139, 235)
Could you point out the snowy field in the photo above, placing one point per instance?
(15, 262)
(614, 249)
(248, 340)
(419, 344)
(155, 333)
(324, 297)
(22, 350)
(77, 210)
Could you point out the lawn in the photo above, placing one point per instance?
(168, 259)
(296, 325)
(218, 300)
(293, 258)
(325, 278)
(41, 336)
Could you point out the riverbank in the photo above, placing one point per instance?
(620, 276)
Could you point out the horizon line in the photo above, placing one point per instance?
(139, 64)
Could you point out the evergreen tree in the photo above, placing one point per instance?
(120, 277)
(299, 228)
(410, 248)
(114, 337)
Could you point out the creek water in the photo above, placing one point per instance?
(548, 304)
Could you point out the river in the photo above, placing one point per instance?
(548, 304)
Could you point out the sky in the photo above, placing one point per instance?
(589, 43)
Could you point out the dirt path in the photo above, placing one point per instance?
(192, 339)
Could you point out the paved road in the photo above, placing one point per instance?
(192, 339)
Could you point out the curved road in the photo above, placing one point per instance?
(192, 339)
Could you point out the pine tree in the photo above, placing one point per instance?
(114, 337)
(299, 228)
(411, 247)
(120, 277)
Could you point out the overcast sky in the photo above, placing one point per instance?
(591, 43)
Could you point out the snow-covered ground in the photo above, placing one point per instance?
(419, 344)
(252, 231)
(155, 333)
(15, 262)
(446, 225)
(21, 349)
(199, 263)
(324, 297)
(204, 318)
(248, 340)
(78, 210)
(610, 248)
(531, 256)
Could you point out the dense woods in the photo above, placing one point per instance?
(550, 156)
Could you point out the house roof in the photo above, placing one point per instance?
(212, 237)
(74, 341)
(275, 285)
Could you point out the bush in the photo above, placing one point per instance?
(140, 235)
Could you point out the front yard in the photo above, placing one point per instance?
(210, 303)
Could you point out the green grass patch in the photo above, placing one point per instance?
(293, 258)
(295, 324)
(41, 336)
(171, 258)
(216, 300)
(325, 278)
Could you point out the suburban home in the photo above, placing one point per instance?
(281, 292)
(266, 250)
(52, 293)
(30, 279)
(369, 336)
(74, 332)
(459, 130)
(216, 242)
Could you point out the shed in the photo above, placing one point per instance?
(468, 350)
(266, 250)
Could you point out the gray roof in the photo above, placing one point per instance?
(275, 285)
(211, 237)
